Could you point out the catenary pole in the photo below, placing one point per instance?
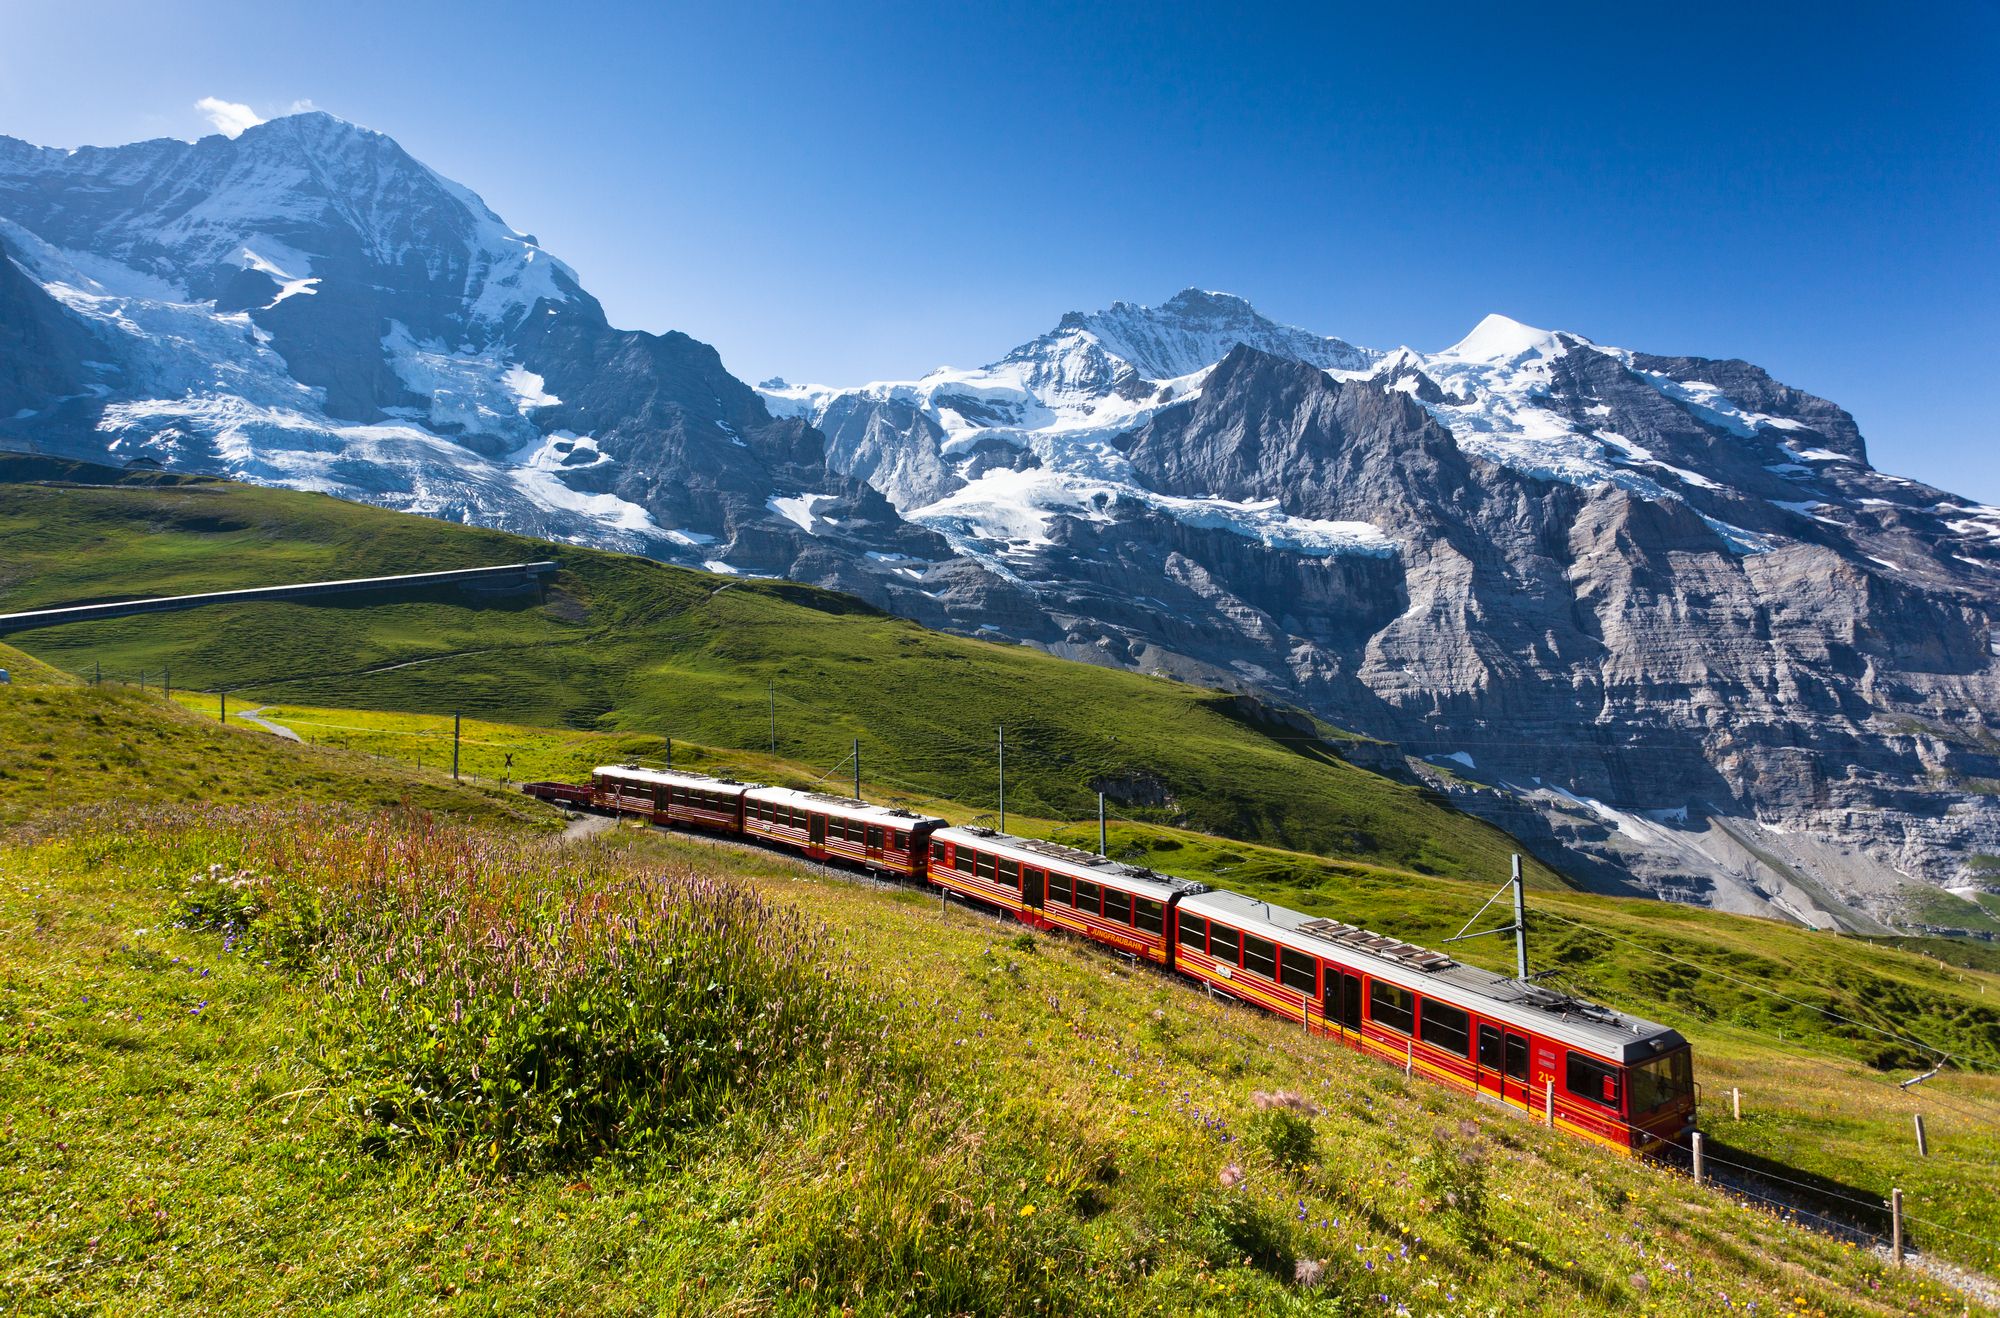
(1003, 778)
(1520, 923)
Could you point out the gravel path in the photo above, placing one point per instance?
(276, 729)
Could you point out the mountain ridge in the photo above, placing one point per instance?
(1626, 602)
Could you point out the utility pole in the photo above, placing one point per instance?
(1003, 778)
(1100, 823)
(771, 689)
(857, 768)
(454, 745)
(1519, 928)
(670, 755)
(1520, 923)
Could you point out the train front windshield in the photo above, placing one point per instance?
(1662, 1081)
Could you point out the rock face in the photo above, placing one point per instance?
(308, 305)
(1656, 615)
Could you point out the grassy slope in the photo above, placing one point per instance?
(64, 744)
(1821, 1097)
(627, 644)
(165, 1150)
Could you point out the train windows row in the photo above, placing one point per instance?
(696, 799)
(777, 816)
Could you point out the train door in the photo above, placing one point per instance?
(1492, 1062)
(1514, 1079)
(1032, 885)
(873, 842)
(1340, 1001)
(816, 831)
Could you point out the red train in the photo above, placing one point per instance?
(1614, 1079)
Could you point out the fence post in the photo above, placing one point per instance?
(1409, 1058)
(1736, 1103)
(1548, 1102)
(1923, 1145)
(222, 710)
(1896, 1225)
(1699, 1168)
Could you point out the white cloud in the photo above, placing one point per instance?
(228, 117)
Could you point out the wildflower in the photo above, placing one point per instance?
(1307, 1272)
(1231, 1176)
(1027, 1210)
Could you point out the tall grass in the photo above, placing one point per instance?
(511, 999)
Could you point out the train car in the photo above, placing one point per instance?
(1052, 886)
(1613, 1079)
(668, 797)
(827, 827)
(569, 794)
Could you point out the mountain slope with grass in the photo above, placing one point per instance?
(622, 643)
(963, 1120)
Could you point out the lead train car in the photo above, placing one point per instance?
(1605, 1076)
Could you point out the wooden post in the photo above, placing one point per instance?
(1409, 1058)
(222, 712)
(1736, 1103)
(1699, 1168)
(1896, 1225)
(1923, 1145)
(1548, 1102)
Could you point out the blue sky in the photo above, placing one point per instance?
(866, 191)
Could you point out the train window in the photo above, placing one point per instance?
(1010, 873)
(1149, 915)
(1392, 1006)
(983, 867)
(1489, 1047)
(1260, 955)
(1446, 1027)
(1194, 932)
(1517, 1058)
(898, 840)
(1059, 888)
(937, 852)
(1591, 1079)
(1086, 896)
(1298, 970)
(1118, 906)
(1662, 1081)
(962, 861)
(1224, 943)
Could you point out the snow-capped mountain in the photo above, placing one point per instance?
(1662, 603)
(308, 305)
(1658, 615)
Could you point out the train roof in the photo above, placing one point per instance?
(847, 806)
(673, 777)
(1535, 1008)
(1077, 863)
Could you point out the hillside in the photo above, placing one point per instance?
(1816, 1030)
(627, 644)
(994, 1124)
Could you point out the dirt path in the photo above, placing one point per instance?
(584, 826)
(275, 729)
